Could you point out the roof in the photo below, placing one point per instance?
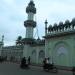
(60, 34)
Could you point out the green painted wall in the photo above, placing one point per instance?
(68, 43)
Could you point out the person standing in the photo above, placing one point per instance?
(29, 60)
(23, 62)
(73, 70)
(44, 63)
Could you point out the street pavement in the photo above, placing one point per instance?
(14, 69)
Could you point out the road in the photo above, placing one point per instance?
(14, 69)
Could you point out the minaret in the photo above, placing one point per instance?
(30, 24)
(46, 27)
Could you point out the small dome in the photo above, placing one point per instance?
(67, 22)
(73, 21)
(60, 23)
(50, 26)
(55, 24)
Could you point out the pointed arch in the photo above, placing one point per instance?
(61, 53)
(41, 56)
(33, 56)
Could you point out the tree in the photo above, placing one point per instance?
(67, 24)
(19, 40)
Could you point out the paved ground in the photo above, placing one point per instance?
(14, 69)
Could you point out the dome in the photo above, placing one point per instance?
(55, 24)
(50, 27)
(73, 21)
(67, 22)
(31, 7)
(60, 23)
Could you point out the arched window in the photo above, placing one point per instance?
(33, 56)
(33, 52)
(41, 54)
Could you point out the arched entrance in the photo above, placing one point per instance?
(62, 60)
(41, 56)
(61, 55)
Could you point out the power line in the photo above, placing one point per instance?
(36, 32)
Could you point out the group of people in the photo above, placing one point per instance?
(2, 59)
(25, 63)
(47, 63)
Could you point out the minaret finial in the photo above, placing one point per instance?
(2, 38)
(46, 26)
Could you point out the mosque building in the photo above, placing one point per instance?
(58, 43)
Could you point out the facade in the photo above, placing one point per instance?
(32, 47)
(29, 46)
(58, 43)
(13, 53)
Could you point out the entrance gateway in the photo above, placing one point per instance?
(61, 54)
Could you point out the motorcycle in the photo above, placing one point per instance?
(50, 68)
(24, 66)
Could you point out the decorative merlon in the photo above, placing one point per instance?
(61, 27)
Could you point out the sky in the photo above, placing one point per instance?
(13, 14)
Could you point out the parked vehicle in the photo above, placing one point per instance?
(50, 68)
(23, 64)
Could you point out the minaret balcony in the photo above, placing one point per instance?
(30, 23)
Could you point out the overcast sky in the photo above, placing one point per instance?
(13, 15)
